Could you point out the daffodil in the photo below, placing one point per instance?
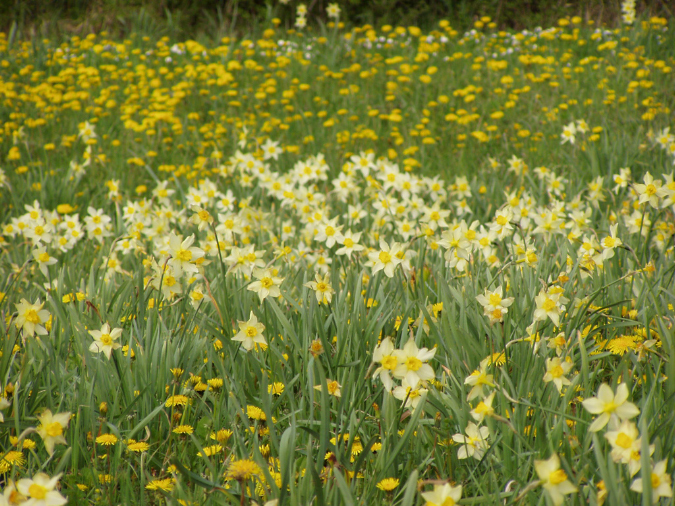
(553, 479)
(412, 364)
(627, 445)
(31, 317)
(40, 490)
(610, 406)
(183, 254)
(386, 259)
(105, 340)
(267, 284)
(494, 305)
(51, 428)
(250, 333)
(474, 441)
(661, 482)
(385, 356)
(322, 288)
(443, 495)
(556, 370)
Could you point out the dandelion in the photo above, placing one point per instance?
(137, 446)
(183, 429)
(210, 451)
(107, 439)
(250, 333)
(242, 470)
(176, 400)
(163, 484)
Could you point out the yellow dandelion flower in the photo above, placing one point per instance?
(211, 450)
(275, 388)
(107, 439)
(176, 400)
(165, 485)
(183, 429)
(255, 413)
(620, 345)
(241, 470)
(222, 435)
(138, 446)
(388, 484)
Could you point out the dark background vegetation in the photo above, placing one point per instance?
(214, 18)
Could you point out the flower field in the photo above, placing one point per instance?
(330, 265)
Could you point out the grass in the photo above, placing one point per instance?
(469, 172)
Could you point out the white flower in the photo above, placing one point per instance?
(250, 333)
(183, 254)
(104, 340)
(51, 428)
(474, 443)
(31, 317)
(443, 495)
(267, 284)
(650, 191)
(554, 479)
(549, 305)
(411, 396)
(494, 306)
(627, 445)
(386, 259)
(556, 370)
(385, 355)
(43, 259)
(661, 482)
(350, 244)
(40, 491)
(412, 364)
(610, 406)
(568, 133)
(322, 288)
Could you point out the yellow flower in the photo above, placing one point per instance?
(176, 400)
(388, 484)
(242, 470)
(107, 439)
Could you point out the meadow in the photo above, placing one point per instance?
(339, 265)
